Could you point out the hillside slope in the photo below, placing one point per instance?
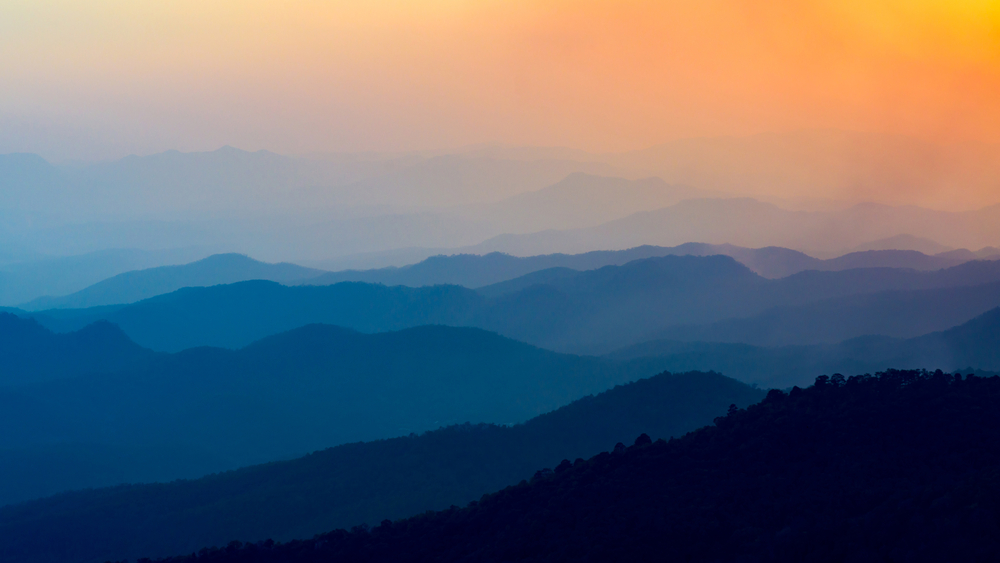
(899, 466)
(235, 315)
(136, 285)
(898, 313)
(974, 344)
(752, 223)
(473, 270)
(350, 484)
(30, 353)
(599, 310)
(592, 312)
(25, 280)
(289, 394)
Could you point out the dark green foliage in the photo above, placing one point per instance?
(354, 483)
(902, 466)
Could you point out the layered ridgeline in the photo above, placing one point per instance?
(592, 311)
(209, 409)
(351, 484)
(757, 224)
(30, 353)
(468, 270)
(899, 466)
(23, 279)
(474, 270)
(129, 287)
(896, 313)
(264, 202)
(974, 345)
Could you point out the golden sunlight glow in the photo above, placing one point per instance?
(594, 74)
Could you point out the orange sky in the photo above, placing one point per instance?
(110, 77)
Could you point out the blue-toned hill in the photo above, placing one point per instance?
(895, 467)
(354, 483)
(593, 311)
(31, 353)
(208, 409)
(973, 345)
(129, 287)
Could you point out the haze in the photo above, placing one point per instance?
(323, 280)
(104, 79)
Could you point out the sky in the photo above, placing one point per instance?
(105, 78)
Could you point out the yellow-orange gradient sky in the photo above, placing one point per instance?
(109, 77)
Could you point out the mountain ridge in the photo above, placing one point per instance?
(752, 223)
(355, 483)
(867, 467)
(971, 345)
(593, 311)
(29, 353)
(132, 286)
(210, 409)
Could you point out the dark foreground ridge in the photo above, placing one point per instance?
(354, 483)
(902, 466)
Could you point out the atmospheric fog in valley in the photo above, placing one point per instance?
(533, 280)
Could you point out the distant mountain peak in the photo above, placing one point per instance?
(229, 258)
(136, 285)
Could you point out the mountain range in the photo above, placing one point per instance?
(895, 313)
(321, 207)
(883, 467)
(463, 269)
(129, 287)
(183, 415)
(36, 276)
(829, 165)
(259, 201)
(82, 399)
(208, 409)
(30, 353)
(971, 346)
(355, 483)
(445, 355)
(592, 311)
(752, 223)
(473, 270)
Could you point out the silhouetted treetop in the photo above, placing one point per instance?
(898, 466)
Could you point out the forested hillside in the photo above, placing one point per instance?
(900, 466)
(355, 483)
